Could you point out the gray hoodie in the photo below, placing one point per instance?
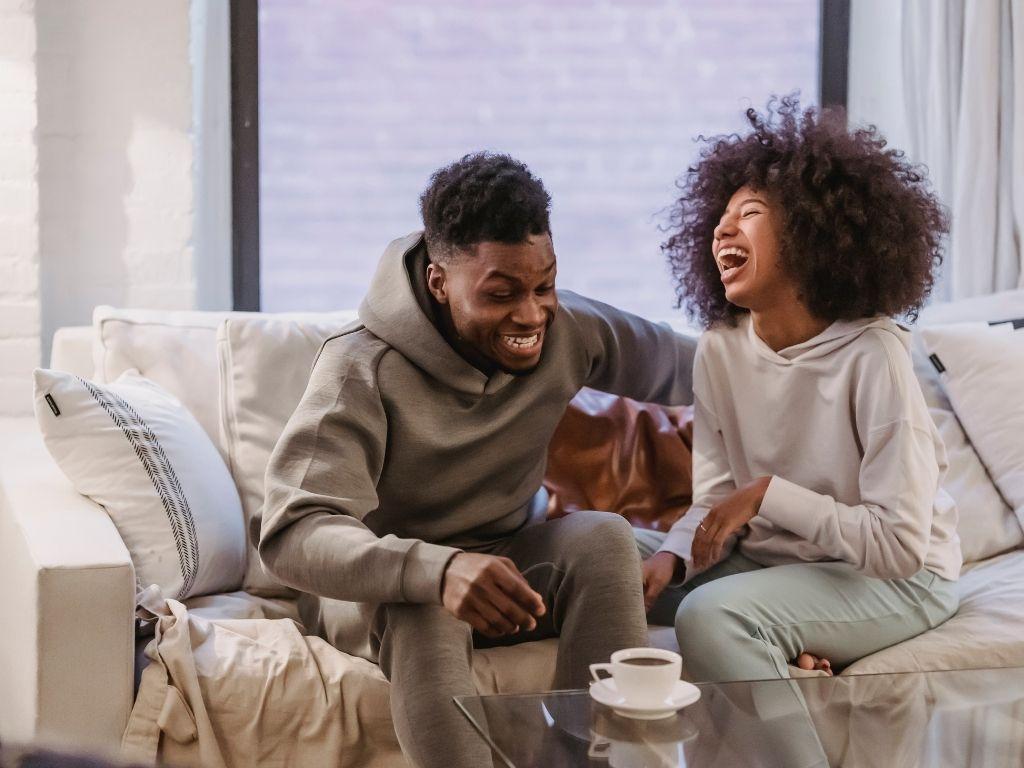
(401, 453)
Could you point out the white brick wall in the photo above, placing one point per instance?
(98, 167)
(115, 157)
(19, 207)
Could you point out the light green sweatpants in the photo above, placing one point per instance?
(742, 621)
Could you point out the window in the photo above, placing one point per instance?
(359, 101)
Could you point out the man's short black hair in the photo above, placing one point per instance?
(483, 197)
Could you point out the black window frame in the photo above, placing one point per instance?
(833, 63)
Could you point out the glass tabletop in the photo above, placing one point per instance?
(917, 719)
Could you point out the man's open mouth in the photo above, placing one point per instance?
(730, 261)
(521, 344)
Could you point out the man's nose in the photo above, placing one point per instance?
(531, 312)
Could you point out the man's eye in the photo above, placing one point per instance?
(748, 214)
(500, 296)
(545, 289)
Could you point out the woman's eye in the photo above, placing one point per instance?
(748, 214)
(545, 289)
(501, 296)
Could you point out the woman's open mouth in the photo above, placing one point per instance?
(730, 261)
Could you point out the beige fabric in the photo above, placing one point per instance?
(302, 701)
(264, 367)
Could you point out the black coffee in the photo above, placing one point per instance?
(646, 661)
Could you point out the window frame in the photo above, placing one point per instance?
(833, 78)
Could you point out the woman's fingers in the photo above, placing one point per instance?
(702, 541)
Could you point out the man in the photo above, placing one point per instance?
(404, 497)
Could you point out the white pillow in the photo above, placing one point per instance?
(175, 349)
(982, 372)
(986, 524)
(265, 364)
(131, 447)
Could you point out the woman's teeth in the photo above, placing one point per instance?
(521, 343)
(731, 260)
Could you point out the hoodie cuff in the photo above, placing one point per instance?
(423, 573)
(791, 507)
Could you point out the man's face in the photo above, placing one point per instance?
(499, 299)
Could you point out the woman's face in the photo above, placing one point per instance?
(746, 249)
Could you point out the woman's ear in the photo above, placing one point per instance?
(437, 282)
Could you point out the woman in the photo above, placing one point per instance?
(795, 245)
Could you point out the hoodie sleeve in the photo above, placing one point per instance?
(321, 482)
(886, 535)
(712, 476)
(630, 356)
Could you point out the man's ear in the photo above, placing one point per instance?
(437, 282)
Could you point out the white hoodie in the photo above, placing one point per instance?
(840, 425)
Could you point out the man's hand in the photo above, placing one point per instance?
(490, 594)
(659, 570)
(725, 519)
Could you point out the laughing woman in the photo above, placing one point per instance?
(795, 245)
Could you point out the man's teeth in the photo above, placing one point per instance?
(521, 342)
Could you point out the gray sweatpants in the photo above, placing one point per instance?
(587, 569)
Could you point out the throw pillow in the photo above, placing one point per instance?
(986, 524)
(265, 364)
(981, 369)
(175, 349)
(134, 449)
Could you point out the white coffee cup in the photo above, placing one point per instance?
(644, 677)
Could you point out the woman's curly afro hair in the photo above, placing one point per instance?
(482, 197)
(859, 228)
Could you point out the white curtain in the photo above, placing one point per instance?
(963, 78)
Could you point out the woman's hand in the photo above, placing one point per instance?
(725, 519)
(659, 570)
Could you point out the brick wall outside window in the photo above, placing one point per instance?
(360, 100)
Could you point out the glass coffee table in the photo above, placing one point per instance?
(916, 719)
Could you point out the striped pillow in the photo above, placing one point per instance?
(134, 449)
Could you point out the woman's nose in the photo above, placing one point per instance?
(725, 228)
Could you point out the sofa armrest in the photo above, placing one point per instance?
(72, 350)
(67, 606)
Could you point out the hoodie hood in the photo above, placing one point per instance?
(835, 337)
(393, 311)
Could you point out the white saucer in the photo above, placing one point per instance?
(605, 692)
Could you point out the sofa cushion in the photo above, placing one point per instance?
(131, 447)
(985, 632)
(981, 369)
(175, 349)
(265, 363)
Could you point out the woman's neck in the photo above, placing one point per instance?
(786, 325)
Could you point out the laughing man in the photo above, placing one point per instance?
(404, 498)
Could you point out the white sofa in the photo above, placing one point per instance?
(67, 649)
